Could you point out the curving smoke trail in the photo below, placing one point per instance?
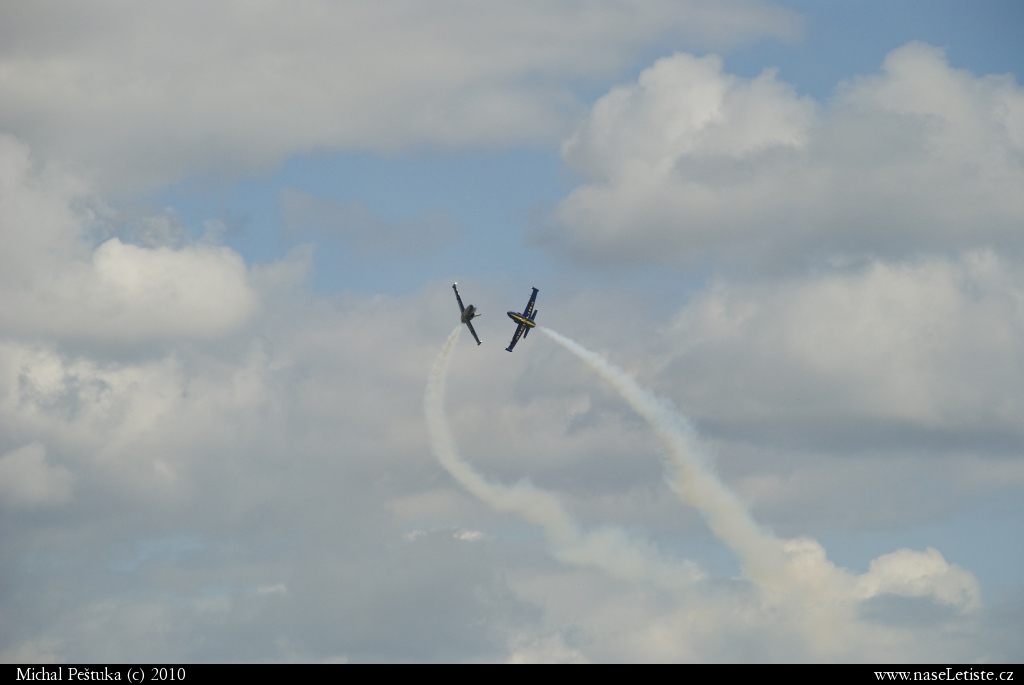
(608, 549)
(795, 576)
(761, 554)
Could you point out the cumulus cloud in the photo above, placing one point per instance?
(134, 421)
(821, 613)
(26, 480)
(792, 574)
(609, 549)
(254, 482)
(932, 343)
(921, 574)
(194, 468)
(143, 96)
(56, 280)
(815, 609)
(690, 162)
(279, 485)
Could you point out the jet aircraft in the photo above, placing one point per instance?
(525, 320)
(468, 313)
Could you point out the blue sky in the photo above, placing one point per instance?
(495, 194)
(229, 235)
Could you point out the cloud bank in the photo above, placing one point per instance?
(283, 504)
(202, 460)
(143, 96)
(56, 281)
(691, 163)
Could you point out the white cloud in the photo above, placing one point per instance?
(793, 604)
(921, 574)
(685, 106)
(543, 649)
(692, 162)
(933, 343)
(143, 96)
(728, 621)
(294, 459)
(138, 424)
(265, 491)
(26, 480)
(55, 281)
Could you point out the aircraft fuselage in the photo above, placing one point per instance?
(520, 319)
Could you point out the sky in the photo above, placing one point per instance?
(773, 412)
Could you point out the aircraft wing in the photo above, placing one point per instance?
(529, 305)
(470, 324)
(515, 338)
(461, 307)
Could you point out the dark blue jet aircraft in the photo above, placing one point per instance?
(525, 320)
(468, 313)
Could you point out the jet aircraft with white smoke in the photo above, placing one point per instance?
(468, 313)
(525, 320)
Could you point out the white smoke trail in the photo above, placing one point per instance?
(610, 550)
(796, 575)
(761, 554)
(804, 589)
